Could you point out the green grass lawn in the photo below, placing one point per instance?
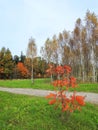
(38, 84)
(44, 84)
(20, 112)
(90, 87)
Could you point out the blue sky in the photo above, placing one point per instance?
(40, 19)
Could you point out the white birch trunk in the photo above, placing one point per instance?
(82, 62)
(93, 64)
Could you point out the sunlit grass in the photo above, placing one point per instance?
(45, 84)
(26, 83)
(90, 87)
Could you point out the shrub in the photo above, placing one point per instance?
(61, 85)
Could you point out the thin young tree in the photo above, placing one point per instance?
(31, 53)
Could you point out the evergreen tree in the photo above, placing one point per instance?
(6, 63)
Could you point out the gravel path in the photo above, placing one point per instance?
(90, 97)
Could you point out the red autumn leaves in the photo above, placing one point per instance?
(65, 82)
(23, 71)
(62, 83)
(58, 70)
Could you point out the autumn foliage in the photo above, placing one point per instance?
(61, 85)
(23, 71)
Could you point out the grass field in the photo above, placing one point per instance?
(19, 112)
(44, 84)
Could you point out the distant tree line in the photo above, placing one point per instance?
(19, 67)
(78, 48)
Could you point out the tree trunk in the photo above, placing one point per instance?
(32, 78)
(93, 63)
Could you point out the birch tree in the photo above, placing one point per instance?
(91, 24)
(31, 53)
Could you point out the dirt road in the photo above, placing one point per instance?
(90, 97)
